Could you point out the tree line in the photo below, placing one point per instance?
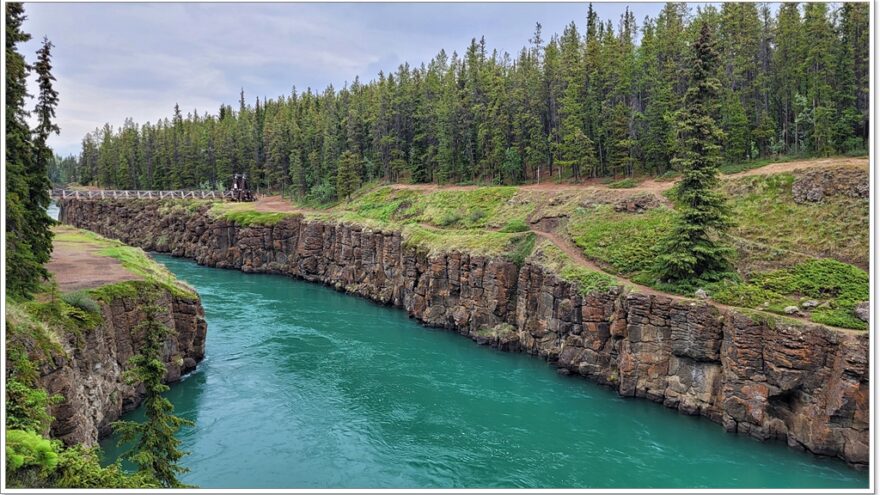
(33, 459)
(598, 100)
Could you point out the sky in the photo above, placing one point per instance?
(114, 61)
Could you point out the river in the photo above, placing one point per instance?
(306, 387)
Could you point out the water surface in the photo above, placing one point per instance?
(306, 387)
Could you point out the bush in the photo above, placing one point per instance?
(26, 449)
(476, 215)
(82, 301)
(515, 225)
(449, 218)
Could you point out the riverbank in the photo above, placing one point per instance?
(761, 375)
(75, 339)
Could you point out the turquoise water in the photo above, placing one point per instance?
(306, 387)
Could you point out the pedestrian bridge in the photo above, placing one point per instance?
(121, 194)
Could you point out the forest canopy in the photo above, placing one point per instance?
(601, 99)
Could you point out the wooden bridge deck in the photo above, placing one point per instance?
(108, 194)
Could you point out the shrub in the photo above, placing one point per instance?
(26, 449)
(476, 215)
(515, 225)
(448, 218)
(522, 249)
(82, 301)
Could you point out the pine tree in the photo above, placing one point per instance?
(28, 238)
(156, 451)
(691, 251)
(347, 175)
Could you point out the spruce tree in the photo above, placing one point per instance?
(28, 238)
(691, 250)
(156, 452)
(347, 175)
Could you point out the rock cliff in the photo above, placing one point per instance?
(806, 384)
(88, 373)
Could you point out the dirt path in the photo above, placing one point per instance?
(77, 265)
(271, 204)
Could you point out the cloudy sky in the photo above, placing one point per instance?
(114, 61)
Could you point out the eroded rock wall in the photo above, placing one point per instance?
(805, 384)
(90, 374)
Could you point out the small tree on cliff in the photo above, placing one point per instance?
(691, 250)
(156, 451)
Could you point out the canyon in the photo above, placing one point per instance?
(754, 374)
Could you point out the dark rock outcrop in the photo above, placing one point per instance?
(814, 185)
(89, 373)
(805, 384)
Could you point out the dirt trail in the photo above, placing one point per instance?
(77, 265)
(272, 204)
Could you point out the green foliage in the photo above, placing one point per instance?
(515, 225)
(81, 300)
(26, 157)
(625, 242)
(839, 285)
(27, 408)
(766, 213)
(26, 449)
(522, 248)
(156, 450)
(80, 467)
(584, 279)
(348, 176)
(691, 250)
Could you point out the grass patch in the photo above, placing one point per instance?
(515, 225)
(765, 213)
(625, 242)
(133, 259)
(466, 240)
(243, 215)
(627, 183)
(452, 209)
(837, 286)
(586, 281)
(744, 166)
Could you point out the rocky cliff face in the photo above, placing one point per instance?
(805, 384)
(90, 374)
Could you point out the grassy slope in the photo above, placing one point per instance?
(773, 235)
(778, 242)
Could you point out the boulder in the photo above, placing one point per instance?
(862, 311)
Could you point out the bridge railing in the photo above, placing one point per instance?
(108, 194)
